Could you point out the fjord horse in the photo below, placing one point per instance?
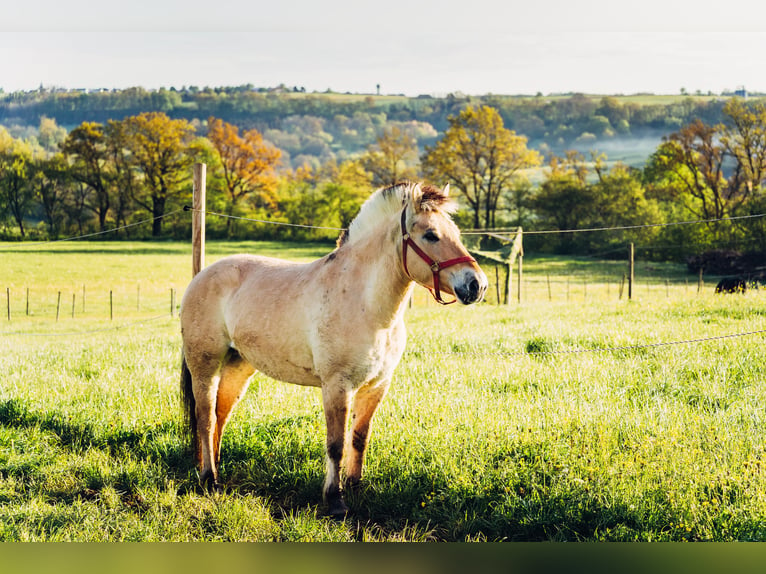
(335, 323)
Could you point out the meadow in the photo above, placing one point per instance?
(564, 417)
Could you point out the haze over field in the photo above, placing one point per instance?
(594, 46)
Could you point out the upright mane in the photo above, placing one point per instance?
(388, 201)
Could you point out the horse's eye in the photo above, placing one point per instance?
(430, 236)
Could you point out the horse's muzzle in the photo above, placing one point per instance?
(472, 288)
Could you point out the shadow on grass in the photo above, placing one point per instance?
(158, 443)
(282, 460)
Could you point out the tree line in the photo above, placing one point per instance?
(315, 128)
(98, 175)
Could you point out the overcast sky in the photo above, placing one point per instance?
(406, 46)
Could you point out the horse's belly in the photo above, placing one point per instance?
(288, 373)
(272, 360)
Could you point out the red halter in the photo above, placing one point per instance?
(436, 266)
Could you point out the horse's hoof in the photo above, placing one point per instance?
(337, 507)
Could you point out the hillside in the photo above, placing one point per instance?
(316, 127)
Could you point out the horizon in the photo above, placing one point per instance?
(509, 48)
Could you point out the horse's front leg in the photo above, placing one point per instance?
(336, 396)
(366, 401)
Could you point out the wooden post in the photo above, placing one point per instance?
(497, 284)
(521, 270)
(699, 282)
(58, 306)
(73, 296)
(8, 301)
(27, 301)
(548, 279)
(631, 272)
(508, 281)
(198, 218)
(111, 306)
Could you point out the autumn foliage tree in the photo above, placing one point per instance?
(247, 163)
(161, 149)
(481, 158)
(390, 159)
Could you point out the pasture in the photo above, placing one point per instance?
(492, 430)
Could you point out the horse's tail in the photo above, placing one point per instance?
(188, 406)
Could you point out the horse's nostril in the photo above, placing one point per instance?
(473, 287)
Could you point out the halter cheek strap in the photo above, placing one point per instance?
(436, 266)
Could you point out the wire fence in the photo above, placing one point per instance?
(468, 232)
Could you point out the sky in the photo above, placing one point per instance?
(406, 47)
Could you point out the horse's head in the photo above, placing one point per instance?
(432, 253)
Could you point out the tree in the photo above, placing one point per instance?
(51, 179)
(389, 159)
(247, 162)
(565, 201)
(689, 165)
(86, 146)
(344, 190)
(50, 134)
(16, 194)
(744, 137)
(568, 199)
(481, 158)
(161, 149)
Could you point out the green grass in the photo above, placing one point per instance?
(483, 436)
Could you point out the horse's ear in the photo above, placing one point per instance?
(417, 196)
(446, 190)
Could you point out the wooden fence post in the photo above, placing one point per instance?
(198, 218)
(631, 271)
(497, 284)
(521, 266)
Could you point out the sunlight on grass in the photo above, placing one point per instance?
(494, 427)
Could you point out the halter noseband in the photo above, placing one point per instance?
(436, 266)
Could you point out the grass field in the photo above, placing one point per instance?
(494, 428)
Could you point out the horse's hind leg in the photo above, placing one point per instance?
(204, 367)
(235, 375)
(366, 402)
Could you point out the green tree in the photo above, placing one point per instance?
(689, 167)
(344, 191)
(16, 193)
(480, 158)
(86, 147)
(51, 181)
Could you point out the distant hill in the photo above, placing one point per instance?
(315, 127)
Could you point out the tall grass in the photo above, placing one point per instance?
(493, 429)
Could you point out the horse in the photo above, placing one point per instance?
(336, 323)
(732, 285)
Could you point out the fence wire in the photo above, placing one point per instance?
(593, 350)
(468, 232)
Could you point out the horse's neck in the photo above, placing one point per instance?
(385, 288)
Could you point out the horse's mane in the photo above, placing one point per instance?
(388, 201)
